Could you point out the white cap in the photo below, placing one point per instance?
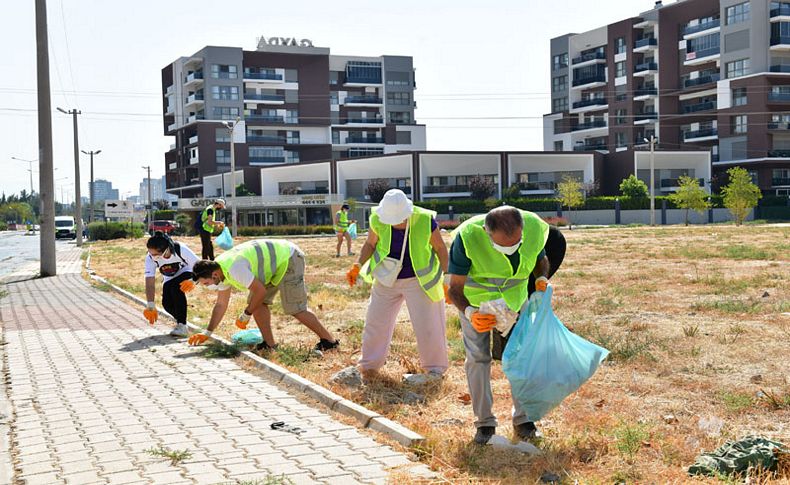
(219, 201)
(394, 208)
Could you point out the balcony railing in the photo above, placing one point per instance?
(700, 54)
(710, 78)
(650, 115)
(305, 192)
(440, 189)
(589, 57)
(193, 118)
(646, 66)
(598, 78)
(363, 139)
(694, 108)
(779, 154)
(645, 42)
(267, 159)
(264, 118)
(669, 183)
(193, 76)
(590, 147)
(779, 125)
(537, 186)
(693, 29)
(589, 125)
(646, 91)
(363, 99)
(193, 139)
(194, 97)
(590, 102)
(780, 68)
(263, 75)
(782, 11)
(264, 97)
(689, 135)
(376, 121)
(780, 180)
(780, 40)
(266, 139)
(358, 79)
(778, 96)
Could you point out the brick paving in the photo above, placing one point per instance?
(92, 387)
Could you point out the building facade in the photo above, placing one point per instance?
(296, 104)
(102, 190)
(158, 191)
(711, 75)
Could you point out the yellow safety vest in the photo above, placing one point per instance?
(491, 276)
(423, 258)
(268, 260)
(342, 221)
(204, 217)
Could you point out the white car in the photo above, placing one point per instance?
(65, 227)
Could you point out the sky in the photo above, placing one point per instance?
(482, 69)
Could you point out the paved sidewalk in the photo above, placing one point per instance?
(93, 387)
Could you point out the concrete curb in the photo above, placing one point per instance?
(335, 402)
(6, 420)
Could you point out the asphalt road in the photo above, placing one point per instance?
(17, 250)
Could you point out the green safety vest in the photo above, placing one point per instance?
(491, 276)
(268, 260)
(204, 217)
(423, 258)
(342, 221)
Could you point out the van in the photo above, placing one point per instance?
(65, 227)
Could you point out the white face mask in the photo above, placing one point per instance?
(508, 250)
(213, 287)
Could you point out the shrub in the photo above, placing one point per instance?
(511, 193)
(633, 187)
(3, 226)
(740, 195)
(448, 225)
(481, 188)
(284, 230)
(556, 221)
(104, 231)
(164, 215)
(690, 196)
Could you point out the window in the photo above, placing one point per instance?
(559, 105)
(755, 177)
(334, 77)
(227, 93)
(620, 116)
(780, 31)
(225, 113)
(266, 155)
(559, 61)
(224, 71)
(707, 45)
(292, 116)
(399, 117)
(558, 146)
(292, 138)
(402, 99)
(738, 13)
(737, 68)
(739, 97)
(619, 69)
(333, 99)
(620, 140)
(291, 156)
(620, 93)
(403, 138)
(739, 124)
(559, 84)
(222, 135)
(398, 78)
(619, 45)
(223, 157)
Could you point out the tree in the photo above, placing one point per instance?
(376, 189)
(243, 191)
(481, 187)
(690, 196)
(570, 195)
(16, 212)
(633, 187)
(512, 192)
(162, 204)
(740, 195)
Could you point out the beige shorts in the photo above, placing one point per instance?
(292, 289)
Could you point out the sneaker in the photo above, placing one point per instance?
(264, 347)
(325, 344)
(484, 433)
(180, 330)
(337, 255)
(526, 431)
(352, 253)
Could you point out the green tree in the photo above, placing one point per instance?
(16, 212)
(690, 196)
(633, 187)
(570, 195)
(512, 192)
(243, 191)
(481, 187)
(376, 189)
(740, 195)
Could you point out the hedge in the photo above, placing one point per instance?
(103, 231)
(284, 230)
(164, 215)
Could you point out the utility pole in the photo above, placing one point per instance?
(29, 169)
(231, 126)
(652, 180)
(150, 204)
(48, 259)
(77, 195)
(92, 189)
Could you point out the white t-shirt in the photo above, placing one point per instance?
(172, 266)
(241, 271)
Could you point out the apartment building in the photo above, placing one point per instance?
(711, 75)
(295, 103)
(102, 190)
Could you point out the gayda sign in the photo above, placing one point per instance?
(285, 41)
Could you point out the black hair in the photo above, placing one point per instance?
(506, 219)
(204, 269)
(345, 206)
(160, 241)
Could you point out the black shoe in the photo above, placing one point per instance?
(264, 347)
(484, 433)
(526, 431)
(325, 344)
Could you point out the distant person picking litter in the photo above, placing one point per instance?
(208, 225)
(342, 223)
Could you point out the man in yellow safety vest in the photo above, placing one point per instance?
(342, 222)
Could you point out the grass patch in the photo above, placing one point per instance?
(747, 251)
(175, 456)
(731, 335)
(457, 349)
(268, 480)
(293, 355)
(736, 402)
(728, 306)
(691, 331)
(606, 305)
(3, 293)
(775, 400)
(626, 347)
(629, 438)
(217, 350)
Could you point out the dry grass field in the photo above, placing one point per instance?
(697, 320)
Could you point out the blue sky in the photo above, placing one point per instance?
(474, 60)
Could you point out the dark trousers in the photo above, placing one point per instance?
(555, 251)
(207, 245)
(173, 299)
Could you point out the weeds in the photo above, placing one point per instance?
(736, 402)
(731, 335)
(629, 439)
(268, 480)
(774, 400)
(175, 456)
(294, 355)
(217, 350)
(623, 348)
(691, 331)
(728, 306)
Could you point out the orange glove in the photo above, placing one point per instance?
(352, 275)
(150, 313)
(198, 338)
(446, 294)
(187, 286)
(482, 322)
(541, 283)
(242, 320)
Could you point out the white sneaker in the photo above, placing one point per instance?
(180, 330)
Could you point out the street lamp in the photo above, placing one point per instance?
(231, 126)
(31, 162)
(91, 153)
(652, 142)
(61, 188)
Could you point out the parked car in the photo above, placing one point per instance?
(165, 226)
(65, 227)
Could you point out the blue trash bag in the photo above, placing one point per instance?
(225, 240)
(247, 337)
(352, 230)
(544, 361)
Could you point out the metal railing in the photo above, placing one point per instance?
(264, 97)
(782, 11)
(263, 75)
(590, 102)
(667, 183)
(645, 42)
(537, 186)
(590, 148)
(589, 125)
(440, 189)
(265, 118)
(646, 66)
(781, 181)
(646, 91)
(193, 76)
(779, 154)
(363, 139)
(710, 78)
(780, 68)
(194, 97)
(779, 125)
(363, 79)
(700, 54)
(780, 39)
(689, 135)
(589, 57)
(598, 78)
(693, 29)
(376, 121)
(363, 99)
(266, 139)
(695, 108)
(267, 159)
(650, 115)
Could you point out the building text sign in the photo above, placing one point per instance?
(284, 41)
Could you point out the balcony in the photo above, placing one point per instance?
(779, 154)
(445, 189)
(590, 81)
(171, 127)
(779, 97)
(266, 160)
(696, 29)
(195, 117)
(588, 148)
(535, 186)
(778, 126)
(192, 140)
(263, 76)
(780, 42)
(696, 108)
(589, 125)
(675, 183)
(196, 98)
(593, 56)
(363, 139)
(645, 68)
(172, 166)
(363, 100)
(780, 68)
(645, 91)
(646, 117)
(701, 56)
(700, 81)
(193, 78)
(264, 118)
(363, 121)
(645, 43)
(265, 98)
(305, 192)
(194, 160)
(782, 11)
(359, 79)
(170, 109)
(590, 102)
(170, 90)
(701, 135)
(780, 181)
(279, 140)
